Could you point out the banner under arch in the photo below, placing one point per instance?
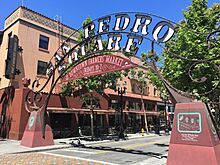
(97, 65)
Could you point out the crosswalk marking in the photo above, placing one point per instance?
(78, 158)
(80, 151)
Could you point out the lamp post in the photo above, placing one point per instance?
(91, 105)
(121, 91)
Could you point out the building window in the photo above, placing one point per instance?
(155, 92)
(113, 104)
(149, 107)
(134, 105)
(147, 91)
(41, 68)
(43, 42)
(134, 88)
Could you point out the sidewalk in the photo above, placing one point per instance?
(13, 146)
(37, 158)
(12, 153)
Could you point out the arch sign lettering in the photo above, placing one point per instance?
(121, 32)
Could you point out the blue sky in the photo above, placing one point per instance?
(74, 12)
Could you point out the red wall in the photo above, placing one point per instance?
(15, 118)
(13, 103)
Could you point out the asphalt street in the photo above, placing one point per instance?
(124, 152)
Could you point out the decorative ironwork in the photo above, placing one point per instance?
(134, 38)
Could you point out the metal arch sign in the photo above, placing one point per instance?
(98, 65)
(124, 32)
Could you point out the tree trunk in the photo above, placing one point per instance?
(145, 115)
(92, 124)
(92, 117)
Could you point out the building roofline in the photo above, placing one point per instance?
(22, 7)
(12, 12)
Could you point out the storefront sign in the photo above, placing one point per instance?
(98, 65)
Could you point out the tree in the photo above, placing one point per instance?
(152, 57)
(142, 79)
(189, 43)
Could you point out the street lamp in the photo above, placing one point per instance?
(92, 102)
(121, 90)
(92, 107)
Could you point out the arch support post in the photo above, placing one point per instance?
(33, 135)
(194, 139)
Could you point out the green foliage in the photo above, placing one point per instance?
(190, 42)
(98, 82)
(90, 101)
(66, 89)
(151, 56)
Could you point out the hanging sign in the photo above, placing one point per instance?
(98, 65)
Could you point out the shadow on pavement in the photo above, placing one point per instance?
(116, 149)
(161, 145)
(110, 137)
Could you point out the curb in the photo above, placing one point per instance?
(39, 150)
(71, 146)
